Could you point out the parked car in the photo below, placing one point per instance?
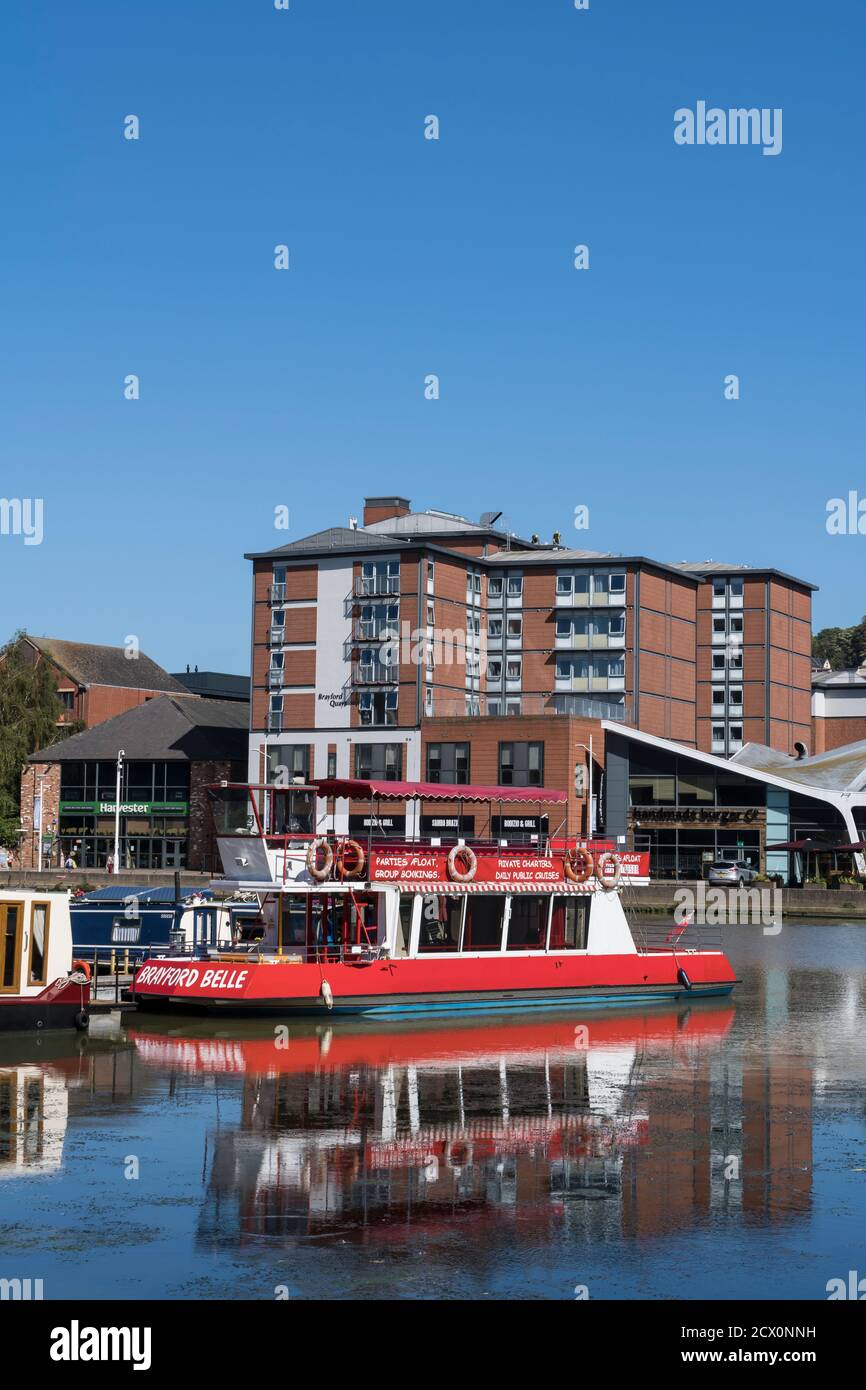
(728, 871)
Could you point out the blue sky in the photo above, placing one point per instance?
(304, 388)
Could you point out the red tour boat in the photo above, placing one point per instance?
(415, 926)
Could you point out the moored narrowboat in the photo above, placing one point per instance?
(38, 987)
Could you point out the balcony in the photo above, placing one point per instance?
(276, 678)
(374, 673)
(277, 636)
(561, 703)
(275, 722)
(277, 593)
(376, 585)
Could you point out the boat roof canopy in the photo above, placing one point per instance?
(360, 790)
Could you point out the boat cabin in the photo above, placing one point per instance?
(35, 942)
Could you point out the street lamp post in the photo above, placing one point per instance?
(120, 757)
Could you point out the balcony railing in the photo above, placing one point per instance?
(559, 703)
(275, 722)
(376, 585)
(277, 593)
(276, 677)
(374, 673)
(277, 636)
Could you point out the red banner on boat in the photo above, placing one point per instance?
(494, 867)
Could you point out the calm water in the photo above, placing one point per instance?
(717, 1150)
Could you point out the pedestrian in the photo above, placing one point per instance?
(109, 864)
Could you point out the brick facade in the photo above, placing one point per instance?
(47, 777)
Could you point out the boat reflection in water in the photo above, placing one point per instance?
(630, 1123)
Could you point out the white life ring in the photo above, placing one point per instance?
(608, 877)
(469, 856)
(320, 874)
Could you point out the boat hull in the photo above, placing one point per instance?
(403, 987)
(58, 1007)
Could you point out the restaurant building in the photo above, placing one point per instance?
(689, 808)
(173, 746)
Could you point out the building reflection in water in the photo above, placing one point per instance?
(636, 1124)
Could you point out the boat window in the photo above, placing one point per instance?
(407, 902)
(39, 943)
(483, 931)
(294, 920)
(441, 914)
(10, 945)
(527, 926)
(569, 923)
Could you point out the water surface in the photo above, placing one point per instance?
(714, 1150)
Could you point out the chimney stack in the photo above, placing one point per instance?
(384, 508)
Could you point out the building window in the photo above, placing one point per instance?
(494, 628)
(448, 763)
(332, 762)
(718, 661)
(513, 669)
(736, 624)
(67, 699)
(563, 585)
(718, 697)
(736, 695)
(736, 733)
(494, 670)
(289, 762)
(515, 627)
(718, 733)
(617, 584)
(380, 762)
(718, 625)
(521, 764)
(515, 585)
(736, 588)
(494, 586)
(378, 707)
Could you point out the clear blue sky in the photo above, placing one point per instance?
(408, 257)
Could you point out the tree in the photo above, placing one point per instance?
(843, 647)
(29, 711)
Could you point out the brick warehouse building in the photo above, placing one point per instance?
(511, 652)
(94, 682)
(174, 746)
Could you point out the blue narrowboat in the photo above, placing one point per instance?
(135, 920)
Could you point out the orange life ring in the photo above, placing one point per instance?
(83, 967)
(469, 856)
(605, 877)
(320, 874)
(355, 870)
(577, 865)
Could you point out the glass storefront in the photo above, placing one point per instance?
(154, 814)
(689, 815)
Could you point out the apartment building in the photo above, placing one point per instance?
(754, 645)
(424, 646)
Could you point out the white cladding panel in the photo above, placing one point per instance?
(333, 710)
